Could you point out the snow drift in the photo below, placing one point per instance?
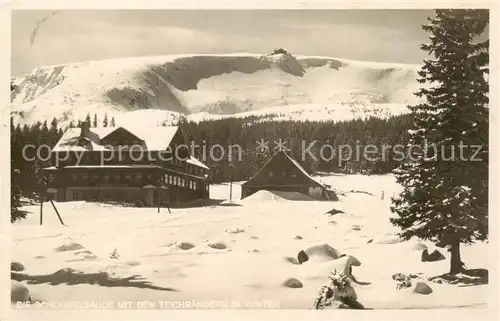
(205, 86)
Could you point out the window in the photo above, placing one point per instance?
(85, 176)
(74, 177)
(105, 177)
(195, 185)
(74, 195)
(138, 177)
(128, 177)
(117, 177)
(270, 174)
(107, 156)
(95, 177)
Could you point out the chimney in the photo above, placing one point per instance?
(85, 128)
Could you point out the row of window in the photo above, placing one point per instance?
(95, 195)
(181, 182)
(126, 195)
(137, 177)
(110, 177)
(122, 157)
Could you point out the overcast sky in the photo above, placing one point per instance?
(74, 35)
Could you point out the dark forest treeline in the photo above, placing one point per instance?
(245, 133)
(298, 136)
(27, 155)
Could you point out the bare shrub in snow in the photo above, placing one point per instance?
(114, 254)
(402, 281)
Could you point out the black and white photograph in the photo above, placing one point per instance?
(305, 159)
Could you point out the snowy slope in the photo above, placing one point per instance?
(209, 86)
(235, 253)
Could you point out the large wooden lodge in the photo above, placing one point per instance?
(151, 165)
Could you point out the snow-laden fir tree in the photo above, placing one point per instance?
(105, 120)
(94, 122)
(445, 194)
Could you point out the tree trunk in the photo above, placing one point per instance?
(456, 265)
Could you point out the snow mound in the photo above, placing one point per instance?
(69, 247)
(182, 245)
(292, 283)
(320, 252)
(19, 292)
(217, 245)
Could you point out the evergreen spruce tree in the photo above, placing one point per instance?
(113, 124)
(105, 120)
(94, 123)
(16, 211)
(445, 196)
(39, 179)
(87, 118)
(53, 125)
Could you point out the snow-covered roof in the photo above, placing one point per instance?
(155, 138)
(294, 162)
(303, 170)
(196, 162)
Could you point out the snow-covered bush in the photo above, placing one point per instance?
(337, 292)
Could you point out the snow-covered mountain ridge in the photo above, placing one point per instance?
(158, 88)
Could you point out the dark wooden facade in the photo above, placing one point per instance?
(108, 168)
(282, 173)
